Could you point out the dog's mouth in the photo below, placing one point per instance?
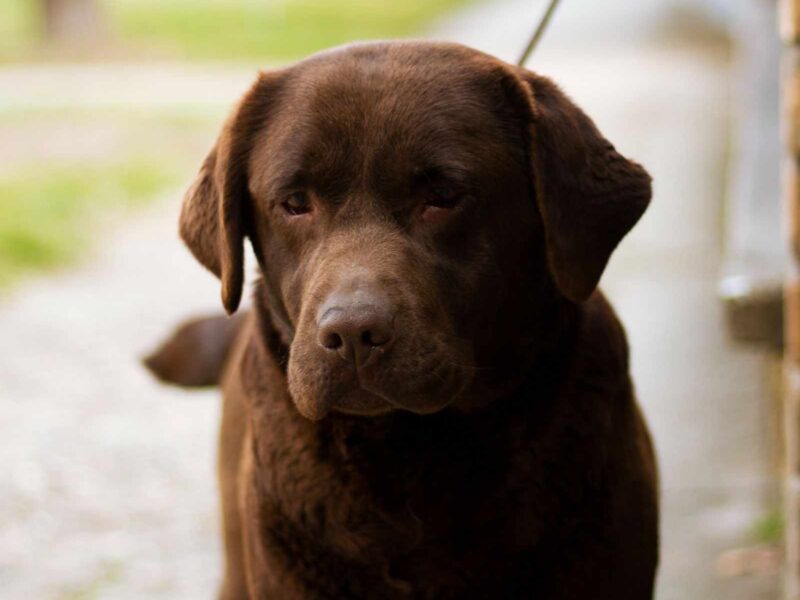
(356, 401)
(363, 403)
(320, 388)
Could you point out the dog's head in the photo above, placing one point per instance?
(415, 209)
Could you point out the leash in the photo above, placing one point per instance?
(537, 35)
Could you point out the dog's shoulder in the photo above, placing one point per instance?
(578, 421)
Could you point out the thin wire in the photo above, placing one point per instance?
(537, 35)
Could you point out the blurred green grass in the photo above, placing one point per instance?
(281, 29)
(18, 28)
(233, 29)
(46, 213)
(769, 528)
(57, 196)
(50, 211)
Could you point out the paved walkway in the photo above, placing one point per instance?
(107, 485)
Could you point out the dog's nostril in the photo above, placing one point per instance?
(352, 330)
(332, 341)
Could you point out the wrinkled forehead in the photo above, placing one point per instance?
(372, 117)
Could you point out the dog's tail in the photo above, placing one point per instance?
(195, 354)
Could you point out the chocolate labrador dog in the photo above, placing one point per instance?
(430, 398)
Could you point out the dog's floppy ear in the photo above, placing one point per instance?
(589, 195)
(212, 217)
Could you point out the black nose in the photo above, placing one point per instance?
(354, 326)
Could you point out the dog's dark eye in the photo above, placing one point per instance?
(440, 202)
(443, 196)
(297, 204)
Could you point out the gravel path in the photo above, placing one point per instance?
(107, 487)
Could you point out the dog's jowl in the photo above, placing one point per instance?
(429, 398)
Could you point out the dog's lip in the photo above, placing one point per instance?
(314, 409)
(349, 395)
(421, 408)
(362, 401)
(369, 390)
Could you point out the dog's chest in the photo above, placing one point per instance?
(416, 499)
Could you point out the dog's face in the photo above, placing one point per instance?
(414, 208)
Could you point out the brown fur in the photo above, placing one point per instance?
(195, 354)
(492, 448)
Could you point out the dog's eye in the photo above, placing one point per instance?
(297, 204)
(443, 196)
(440, 202)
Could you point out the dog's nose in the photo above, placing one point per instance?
(354, 327)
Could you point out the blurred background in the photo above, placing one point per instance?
(107, 108)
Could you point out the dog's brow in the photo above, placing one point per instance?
(441, 172)
(455, 171)
(291, 181)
